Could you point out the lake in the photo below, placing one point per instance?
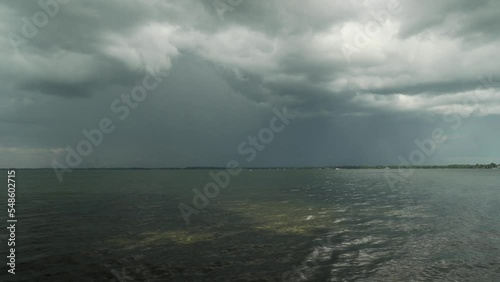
(266, 225)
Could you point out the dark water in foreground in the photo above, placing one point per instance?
(314, 225)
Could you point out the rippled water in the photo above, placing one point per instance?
(267, 225)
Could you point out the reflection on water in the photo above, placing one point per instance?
(268, 225)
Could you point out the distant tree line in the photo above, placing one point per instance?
(469, 166)
(478, 166)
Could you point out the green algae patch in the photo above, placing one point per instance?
(179, 237)
(284, 228)
(280, 217)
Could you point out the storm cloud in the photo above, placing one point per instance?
(364, 80)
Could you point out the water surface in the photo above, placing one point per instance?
(267, 225)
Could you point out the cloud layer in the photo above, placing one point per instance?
(364, 79)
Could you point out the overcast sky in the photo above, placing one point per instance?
(363, 79)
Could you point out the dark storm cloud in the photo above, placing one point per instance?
(453, 18)
(105, 71)
(285, 17)
(437, 87)
(75, 40)
(227, 73)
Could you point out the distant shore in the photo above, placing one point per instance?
(452, 166)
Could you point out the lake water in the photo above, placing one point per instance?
(267, 225)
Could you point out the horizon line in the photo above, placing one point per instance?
(260, 167)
